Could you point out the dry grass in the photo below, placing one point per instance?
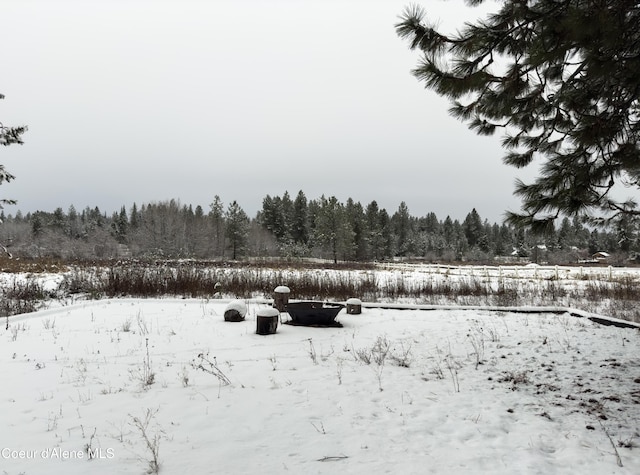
(617, 296)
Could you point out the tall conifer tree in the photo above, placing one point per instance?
(561, 79)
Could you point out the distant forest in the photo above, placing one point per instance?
(299, 227)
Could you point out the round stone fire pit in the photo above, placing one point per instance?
(312, 313)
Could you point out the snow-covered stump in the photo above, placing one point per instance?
(235, 311)
(354, 306)
(267, 321)
(281, 297)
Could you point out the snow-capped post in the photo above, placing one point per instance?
(354, 306)
(216, 290)
(267, 321)
(281, 297)
(235, 311)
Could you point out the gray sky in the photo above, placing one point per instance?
(139, 101)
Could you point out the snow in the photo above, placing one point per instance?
(458, 391)
(268, 312)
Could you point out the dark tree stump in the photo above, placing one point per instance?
(232, 315)
(267, 321)
(235, 311)
(354, 307)
(281, 297)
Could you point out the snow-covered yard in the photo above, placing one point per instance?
(391, 391)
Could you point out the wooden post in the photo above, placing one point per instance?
(281, 297)
(354, 306)
(267, 321)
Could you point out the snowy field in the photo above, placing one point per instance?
(604, 290)
(114, 386)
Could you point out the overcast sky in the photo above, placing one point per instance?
(141, 101)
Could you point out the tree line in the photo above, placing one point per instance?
(297, 227)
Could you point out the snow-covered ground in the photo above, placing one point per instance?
(444, 391)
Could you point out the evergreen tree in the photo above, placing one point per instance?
(430, 224)
(461, 244)
(507, 238)
(237, 229)
(522, 246)
(216, 215)
(332, 229)
(447, 231)
(580, 233)
(561, 79)
(500, 248)
(484, 243)
(277, 219)
(37, 226)
(9, 136)
(386, 235)
(58, 220)
(565, 234)
(286, 216)
(188, 225)
(135, 217)
(120, 225)
(313, 209)
(626, 234)
(73, 223)
(374, 232)
(403, 230)
(274, 216)
(95, 217)
(299, 221)
(595, 244)
(199, 233)
(355, 219)
(266, 216)
(473, 229)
